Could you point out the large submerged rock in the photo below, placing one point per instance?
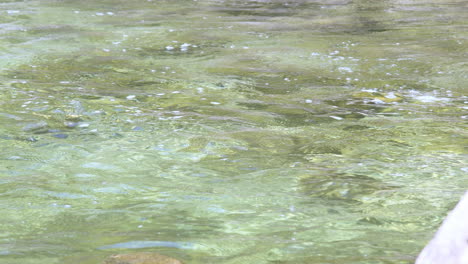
(141, 258)
(450, 244)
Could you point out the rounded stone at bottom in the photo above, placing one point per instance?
(141, 258)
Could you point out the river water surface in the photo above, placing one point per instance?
(285, 132)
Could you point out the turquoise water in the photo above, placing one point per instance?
(230, 131)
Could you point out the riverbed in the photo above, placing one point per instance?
(230, 132)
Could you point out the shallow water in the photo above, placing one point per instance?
(230, 131)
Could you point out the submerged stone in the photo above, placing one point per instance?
(342, 187)
(141, 258)
(38, 127)
(63, 136)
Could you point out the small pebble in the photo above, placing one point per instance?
(63, 136)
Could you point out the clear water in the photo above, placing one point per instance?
(307, 131)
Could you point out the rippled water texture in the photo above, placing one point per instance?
(286, 132)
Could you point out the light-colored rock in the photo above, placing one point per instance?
(450, 243)
(141, 258)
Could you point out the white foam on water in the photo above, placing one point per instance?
(336, 117)
(345, 69)
(430, 99)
